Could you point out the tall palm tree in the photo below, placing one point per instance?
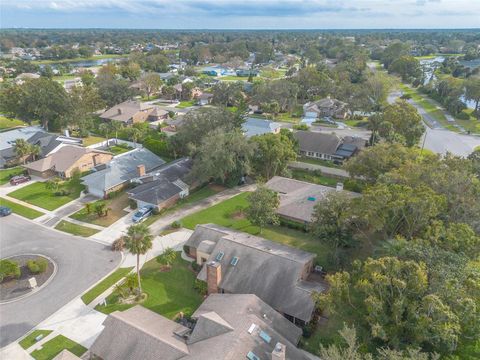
(116, 126)
(35, 151)
(22, 149)
(138, 241)
(105, 129)
(135, 135)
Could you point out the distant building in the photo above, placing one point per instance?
(255, 126)
(247, 72)
(235, 262)
(204, 99)
(225, 326)
(130, 112)
(20, 79)
(326, 107)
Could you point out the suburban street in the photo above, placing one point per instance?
(80, 264)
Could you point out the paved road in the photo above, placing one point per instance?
(81, 263)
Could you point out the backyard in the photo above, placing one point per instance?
(92, 139)
(168, 292)
(115, 212)
(227, 213)
(7, 123)
(185, 104)
(75, 229)
(39, 195)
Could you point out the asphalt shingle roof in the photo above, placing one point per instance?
(317, 142)
(255, 126)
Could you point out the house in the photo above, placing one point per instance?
(298, 198)
(204, 99)
(66, 160)
(68, 85)
(48, 143)
(118, 173)
(163, 187)
(20, 79)
(255, 126)
(247, 72)
(327, 146)
(326, 107)
(130, 112)
(239, 263)
(225, 326)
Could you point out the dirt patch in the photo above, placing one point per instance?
(14, 288)
(238, 215)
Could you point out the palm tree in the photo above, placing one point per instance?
(35, 150)
(135, 135)
(105, 129)
(22, 149)
(168, 257)
(116, 126)
(138, 241)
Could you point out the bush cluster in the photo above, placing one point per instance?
(37, 266)
(9, 268)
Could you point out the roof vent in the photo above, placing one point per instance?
(311, 198)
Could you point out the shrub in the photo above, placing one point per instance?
(301, 127)
(39, 265)
(196, 267)
(118, 244)
(9, 268)
(132, 203)
(176, 225)
(155, 211)
(200, 286)
(463, 116)
(42, 264)
(33, 267)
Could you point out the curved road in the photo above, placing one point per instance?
(80, 264)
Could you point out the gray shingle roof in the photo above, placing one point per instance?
(123, 168)
(267, 269)
(317, 142)
(255, 126)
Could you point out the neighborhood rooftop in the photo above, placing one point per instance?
(255, 126)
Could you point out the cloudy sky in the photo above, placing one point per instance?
(240, 14)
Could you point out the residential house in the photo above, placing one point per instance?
(255, 126)
(130, 112)
(247, 72)
(117, 174)
(239, 263)
(327, 146)
(163, 187)
(299, 198)
(204, 99)
(20, 79)
(68, 85)
(66, 160)
(326, 107)
(225, 326)
(47, 142)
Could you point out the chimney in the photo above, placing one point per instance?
(339, 186)
(119, 111)
(141, 170)
(279, 352)
(214, 276)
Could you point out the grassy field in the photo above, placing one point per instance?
(195, 195)
(38, 194)
(62, 78)
(117, 150)
(90, 140)
(287, 117)
(55, 346)
(313, 177)
(185, 104)
(20, 209)
(75, 229)
(168, 292)
(7, 123)
(224, 214)
(30, 339)
(232, 78)
(6, 174)
(116, 205)
(103, 285)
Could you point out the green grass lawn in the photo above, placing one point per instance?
(90, 140)
(117, 150)
(6, 174)
(313, 177)
(168, 292)
(196, 195)
(232, 78)
(321, 162)
(185, 104)
(38, 194)
(221, 214)
(30, 339)
(103, 285)
(62, 78)
(55, 346)
(7, 123)
(116, 205)
(356, 123)
(20, 209)
(75, 229)
(287, 117)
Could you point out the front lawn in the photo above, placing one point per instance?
(92, 139)
(55, 346)
(30, 339)
(102, 286)
(169, 292)
(185, 104)
(6, 174)
(20, 209)
(321, 162)
(7, 123)
(75, 229)
(224, 214)
(38, 194)
(232, 78)
(116, 206)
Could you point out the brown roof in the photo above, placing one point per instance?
(317, 142)
(126, 110)
(62, 159)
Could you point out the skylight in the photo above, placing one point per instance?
(234, 261)
(265, 337)
(252, 356)
(219, 256)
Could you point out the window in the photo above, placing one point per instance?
(265, 337)
(252, 356)
(219, 256)
(234, 261)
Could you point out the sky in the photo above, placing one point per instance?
(241, 14)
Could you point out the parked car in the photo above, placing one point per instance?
(19, 179)
(5, 211)
(142, 214)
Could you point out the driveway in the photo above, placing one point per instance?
(80, 264)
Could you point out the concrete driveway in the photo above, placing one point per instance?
(80, 264)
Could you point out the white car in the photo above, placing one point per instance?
(142, 214)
